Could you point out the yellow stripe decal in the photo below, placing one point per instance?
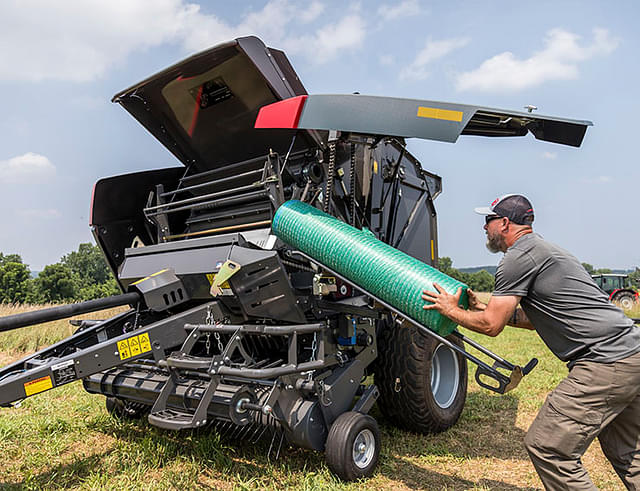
(150, 276)
(435, 113)
(433, 255)
(38, 385)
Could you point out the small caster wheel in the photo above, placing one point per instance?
(353, 446)
(124, 409)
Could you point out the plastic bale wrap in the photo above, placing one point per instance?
(374, 266)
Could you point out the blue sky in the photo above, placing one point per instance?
(62, 62)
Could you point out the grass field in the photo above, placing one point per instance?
(65, 439)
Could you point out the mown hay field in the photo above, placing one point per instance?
(65, 438)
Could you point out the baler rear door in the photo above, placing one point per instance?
(203, 108)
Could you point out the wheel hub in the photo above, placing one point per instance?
(445, 376)
(363, 448)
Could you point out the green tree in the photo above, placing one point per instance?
(93, 278)
(55, 283)
(98, 290)
(590, 269)
(88, 264)
(482, 281)
(10, 258)
(15, 278)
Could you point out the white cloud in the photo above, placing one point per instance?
(311, 12)
(48, 213)
(405, 8)
(558, 60)
(550, 155)
(432, 51)
(323, 45)
(80, 40)
(597, 180)
(26, 168)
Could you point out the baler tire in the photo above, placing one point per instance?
(404, 371)
(352, 448)
(120, 409)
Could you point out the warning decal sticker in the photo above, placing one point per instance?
(64, 372)
(134, 346)
(38, 385)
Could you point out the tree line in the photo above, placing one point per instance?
(79, 275)
(480, 281)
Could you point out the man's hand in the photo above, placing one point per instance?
(474, 302)
(441, 301)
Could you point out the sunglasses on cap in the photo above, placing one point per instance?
(488, 218)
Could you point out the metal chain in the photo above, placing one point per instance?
(330, 177)
(322, 394)
(352, 186)
(207, 343)
(217, 336)
(314, 346)
(210, 322)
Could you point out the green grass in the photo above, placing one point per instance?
(65, 439)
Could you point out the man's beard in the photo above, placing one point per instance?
(494, 243)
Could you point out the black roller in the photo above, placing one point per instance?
(17, 321)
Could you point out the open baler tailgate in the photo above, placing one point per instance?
(414, 118)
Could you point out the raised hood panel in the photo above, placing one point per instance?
(203, 108)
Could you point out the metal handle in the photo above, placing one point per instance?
(503, 380)
(529, 366)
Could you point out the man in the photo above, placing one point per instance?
(601, 394)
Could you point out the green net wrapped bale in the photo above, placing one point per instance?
(374, 266)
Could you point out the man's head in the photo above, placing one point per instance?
(506, 220)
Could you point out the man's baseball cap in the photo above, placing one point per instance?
(515, 207)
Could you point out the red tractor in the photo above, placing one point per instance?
(619, 289)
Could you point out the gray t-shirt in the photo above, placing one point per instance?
(570, 313)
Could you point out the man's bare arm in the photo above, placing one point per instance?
(489, 320)
(517, 319)
(520, 319)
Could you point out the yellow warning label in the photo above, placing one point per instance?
(435, 113)
(145, 344)
(38, 385)
(375, 166)
(123, 348)
(134, 346)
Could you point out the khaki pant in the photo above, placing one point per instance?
(596, 399)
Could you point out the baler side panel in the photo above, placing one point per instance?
(116, 211)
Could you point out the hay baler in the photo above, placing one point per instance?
(229, 325)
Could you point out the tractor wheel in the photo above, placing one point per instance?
(125, 409)
(353, 446)
(422, 382)
(624, 300)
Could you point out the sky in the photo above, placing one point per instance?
(61, 62)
